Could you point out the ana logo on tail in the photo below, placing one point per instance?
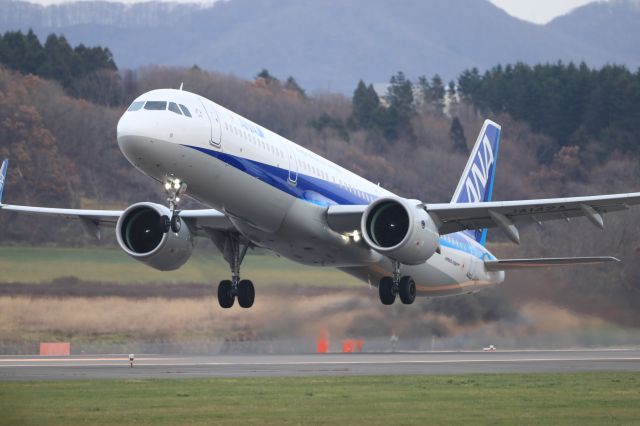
(476, 182)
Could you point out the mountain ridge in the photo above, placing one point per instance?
(333, 43)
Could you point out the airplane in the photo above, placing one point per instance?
(266, 191)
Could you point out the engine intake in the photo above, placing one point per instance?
(140, 235)
(400, 229)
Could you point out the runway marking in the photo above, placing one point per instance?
(324, 363)
(80, 359)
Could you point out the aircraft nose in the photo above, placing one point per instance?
(130, 136)
(126, 125)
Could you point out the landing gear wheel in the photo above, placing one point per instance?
(246, 293)
(165, 223)
(176, 223)
(225, 294)
(407, 290)
(385, 289)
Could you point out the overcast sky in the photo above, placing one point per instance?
(538, 11)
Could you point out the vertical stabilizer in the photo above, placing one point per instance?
(3, 176)
(476, 183)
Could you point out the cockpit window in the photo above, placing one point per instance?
(174, 108)
(185, 110)
(136, 106)
(155, 105)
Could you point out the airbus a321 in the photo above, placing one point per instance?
(266, 191)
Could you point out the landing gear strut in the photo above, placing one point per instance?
(235, 248)
(390, 287)
(175, 189)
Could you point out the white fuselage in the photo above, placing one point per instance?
(276, 192)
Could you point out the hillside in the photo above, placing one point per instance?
(63, 153)
(333, 43)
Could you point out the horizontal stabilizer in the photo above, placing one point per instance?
(510, 264)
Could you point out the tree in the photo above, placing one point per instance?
(452, 90)
(292, 84)
(266, 76)
(396, 120)
(365, 102)
(58, 60)
(436, 94)
(400, 95)
(457, 136)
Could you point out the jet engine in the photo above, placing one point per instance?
(400, 229)
(141, 235)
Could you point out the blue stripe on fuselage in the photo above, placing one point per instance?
(308, 188)
(323, 193)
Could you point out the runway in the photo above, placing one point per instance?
(423, 363)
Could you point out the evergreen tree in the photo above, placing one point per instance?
(58, 60)
(396, 120)
(436, 94)
(452, 91)
(457, 136)
(400, 95)
(469, 84)
(365, 103)
(292, 84)
(267, 77)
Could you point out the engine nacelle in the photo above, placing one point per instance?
(400, 229)
(141, 236)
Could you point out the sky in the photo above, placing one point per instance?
(537, 11)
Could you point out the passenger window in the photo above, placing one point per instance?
(156, 106)
(185, 110)
(174, 108)
(136, 106)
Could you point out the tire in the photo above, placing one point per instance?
(385, 289)
(164, 223)
(225, 294)
(176, 223)
(246, 294)
(407, 290)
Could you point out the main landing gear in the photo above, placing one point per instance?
(175, 190)
(404, 286)
(235, 248)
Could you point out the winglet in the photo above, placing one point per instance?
(3, 176)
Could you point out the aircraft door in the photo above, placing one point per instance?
(293, 168)
(215, 129)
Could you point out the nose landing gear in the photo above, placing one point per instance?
(175, 189)
(390, 287)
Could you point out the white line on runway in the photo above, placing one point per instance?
(325, 363)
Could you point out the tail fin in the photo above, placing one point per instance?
(3, 176)
(476, 183)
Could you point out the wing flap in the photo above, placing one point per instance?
(511, 264)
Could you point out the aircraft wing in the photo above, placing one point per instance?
(452, 218)
(92, 219)
(505, 215)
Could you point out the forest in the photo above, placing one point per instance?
(567, 131)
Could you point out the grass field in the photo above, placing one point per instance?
(572, 399)
(44, 264)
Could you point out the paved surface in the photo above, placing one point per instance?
(152, 366)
